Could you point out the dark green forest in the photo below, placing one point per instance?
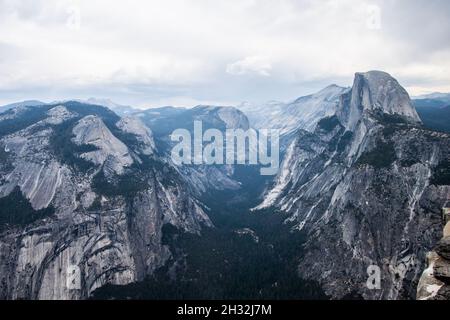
(16, 210)
(225, 264)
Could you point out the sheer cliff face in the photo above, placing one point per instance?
(375, 92)
(364, 187)
(97, 200)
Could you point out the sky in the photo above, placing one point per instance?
(187, 52)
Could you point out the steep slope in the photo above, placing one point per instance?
(303, 113)
(366, 185)
(434, 283)
(96, 200)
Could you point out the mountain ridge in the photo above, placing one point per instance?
(333, 183)
(111, 200)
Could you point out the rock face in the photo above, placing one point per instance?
(142, 133)
(431, 288)
(106, 197)
(92, 131)
(364, 186)
(375, 92)
(443, 248)
(435, 281)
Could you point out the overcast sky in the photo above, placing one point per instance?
(187, 52)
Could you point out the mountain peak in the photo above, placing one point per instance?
(378, 91)
(330, 91)
(374, 74)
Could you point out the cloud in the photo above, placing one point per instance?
(164, 51)
(250, 65)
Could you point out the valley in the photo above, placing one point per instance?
(246, 255)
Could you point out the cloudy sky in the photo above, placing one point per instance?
(187, 52)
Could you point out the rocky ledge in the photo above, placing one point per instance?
(435, 281)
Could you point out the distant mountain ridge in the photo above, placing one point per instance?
(434, 96)
(434, 110)
(25, 103)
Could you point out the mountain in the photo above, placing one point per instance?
(366, 186)
(303, 113)
(156, 116)
(82, 190)
(29, 103)
(119, 109)
(245, 256)
(164, 121)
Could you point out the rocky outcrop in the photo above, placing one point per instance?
(107, 199)
(375, 92)
(435, 281)
(92, 131)
(142, 133)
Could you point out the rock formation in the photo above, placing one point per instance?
(435, 281)
(366, 187)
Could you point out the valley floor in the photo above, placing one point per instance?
(247, 255)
